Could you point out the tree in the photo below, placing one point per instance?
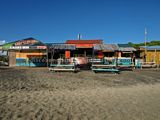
(151, 43)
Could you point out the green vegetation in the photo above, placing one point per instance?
(151, 43)
(7, 45)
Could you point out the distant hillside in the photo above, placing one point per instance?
(2, 42)
(151, 43)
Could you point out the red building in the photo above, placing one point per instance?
(84, 48)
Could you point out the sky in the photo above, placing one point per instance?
(55, 21)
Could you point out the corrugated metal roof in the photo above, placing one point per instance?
(124, 45)
(113, 47)
(151, 47)
(84, 41)
(106, 47)
(127, 49)
(61, 46)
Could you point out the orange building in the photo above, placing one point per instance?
(84, 48)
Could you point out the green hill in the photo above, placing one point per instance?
(151, 43)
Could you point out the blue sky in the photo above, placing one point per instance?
(114, 21)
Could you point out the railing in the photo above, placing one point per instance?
(113, 64)
(61, 65)
(114, 61)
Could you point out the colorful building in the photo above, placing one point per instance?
(58, 50)
(26, 52)
(32, 52)
(125, 50)
(84, 48)
(114, 50)
(105, 50)
(150, 54)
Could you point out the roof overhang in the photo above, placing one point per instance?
(106, 47)
(127, 52)
(61, 46)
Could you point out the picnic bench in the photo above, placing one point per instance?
(125, 63)
(105, 68)
(148, 65)
(63, 68)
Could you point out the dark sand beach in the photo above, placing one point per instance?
(36, 93)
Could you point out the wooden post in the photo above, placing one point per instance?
(92, 54)
(52, 56)
(155, 56)
(117, 55)
(47, 55)
(134, 60)
(85, 53)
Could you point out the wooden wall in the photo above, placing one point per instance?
(153, 56)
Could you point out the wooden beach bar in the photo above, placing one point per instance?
(26, 52)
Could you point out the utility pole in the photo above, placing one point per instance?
(145, 43)
(145, 35)
(79, 36)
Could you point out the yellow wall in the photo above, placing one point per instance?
(25, 54)
(153, 56)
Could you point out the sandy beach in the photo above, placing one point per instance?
(36, 93)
